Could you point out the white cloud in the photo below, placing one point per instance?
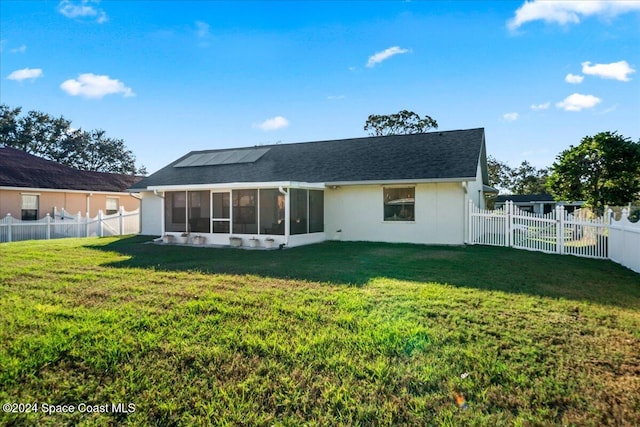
(277, 122)
(511, 117)
(202, 29)
(616, 70)
(538, 107)
(82, 9)
(91, 85)
(21, 49)
(569, 12)
(574, 78)
(385, 54)
(578, 102)
(25, 74)
(335, 97)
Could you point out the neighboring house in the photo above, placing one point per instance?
(32, 187)
(535, 203)
(401, 188)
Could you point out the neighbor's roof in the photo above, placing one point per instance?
(24, 170)
(525, 198)
(427, 156)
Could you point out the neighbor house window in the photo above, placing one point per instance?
(221, 217)
(30, 207)
(399, 204)
(175, 211)
(245, 220)
(112, 205)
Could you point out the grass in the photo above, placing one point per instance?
(330, 334)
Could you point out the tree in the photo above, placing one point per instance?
(40, 134)
(526, 179)
(403, 122)
(499, 173)
(603, 169)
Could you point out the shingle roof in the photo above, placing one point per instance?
(425, 156)
(21, 169)
(525, 198)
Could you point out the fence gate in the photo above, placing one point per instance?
(556, 232)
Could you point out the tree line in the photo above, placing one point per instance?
(55, 139)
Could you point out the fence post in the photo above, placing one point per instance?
(121, 219)
(508, 207)
(9, 221)
(48, 222)
(100, 222)
(559, 229)
(78, 222)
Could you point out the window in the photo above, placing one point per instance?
(299, 217)
(30, 204)
(244, 211)
(271, 212)
(399, 204)
(221, 218)
(112, 205)
(199, 211)
(316, 211)
(175, 211)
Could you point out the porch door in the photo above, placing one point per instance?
(220, 212)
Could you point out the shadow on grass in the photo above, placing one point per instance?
(356, 263)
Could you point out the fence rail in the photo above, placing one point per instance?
(558, 232)
(64, 225)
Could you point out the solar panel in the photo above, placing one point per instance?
(227, 157)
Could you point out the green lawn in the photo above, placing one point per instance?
(331, 334)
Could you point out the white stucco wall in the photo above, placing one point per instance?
(475, 189)
(151, 212)
(358, 211)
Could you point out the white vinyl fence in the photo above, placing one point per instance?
(63, 225)
(557, 232)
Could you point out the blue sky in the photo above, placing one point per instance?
(169, 77)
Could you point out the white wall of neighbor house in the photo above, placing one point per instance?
(356, 212)
(151, 214)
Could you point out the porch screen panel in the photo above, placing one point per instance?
(221, 216)
(245, 220)
(271, 212)
(299, 214)
(175, 211)
(199, 214)
(316, 211)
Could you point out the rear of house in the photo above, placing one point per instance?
(400, 188)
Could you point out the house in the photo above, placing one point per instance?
(535, 203)
(31, 187)
(400, 188)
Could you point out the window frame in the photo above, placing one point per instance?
(385, 204)
(106, 205)
(24, 210)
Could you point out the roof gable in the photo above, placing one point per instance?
(21, 169)
(450, 155)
